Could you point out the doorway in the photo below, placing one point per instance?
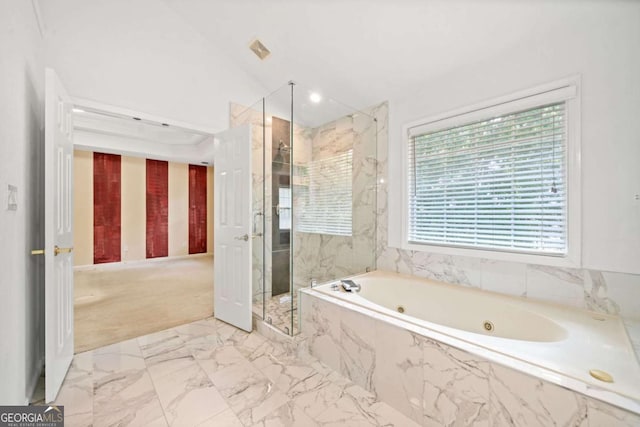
(143, 223)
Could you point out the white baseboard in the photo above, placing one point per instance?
(133, 263)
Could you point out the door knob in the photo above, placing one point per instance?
(245, 237)
(58, 250)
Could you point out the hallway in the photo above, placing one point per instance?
(114, 303)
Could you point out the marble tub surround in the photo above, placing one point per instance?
(567, 341)
(437, 380)
(603, 292)
(209, 373)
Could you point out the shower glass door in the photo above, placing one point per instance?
(334, 191)
(314, 201)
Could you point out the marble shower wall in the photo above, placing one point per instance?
(323, 257)
(315, 256)
(605, 292)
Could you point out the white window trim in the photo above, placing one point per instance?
(567, 90)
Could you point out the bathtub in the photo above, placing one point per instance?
(556, 343)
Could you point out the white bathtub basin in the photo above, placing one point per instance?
(455, 307)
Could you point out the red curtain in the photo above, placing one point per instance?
(106, 208)
(197, 209)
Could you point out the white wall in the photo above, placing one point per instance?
(600, 41)
(82, 212)
(142, 56)
(133, 208)
(178, 209)
(21, 164)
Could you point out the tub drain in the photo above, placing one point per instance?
(488, 326)
(400, 309)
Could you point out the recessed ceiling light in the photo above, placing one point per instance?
(78, 110)
(315, 97)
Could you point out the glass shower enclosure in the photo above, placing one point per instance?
(313, 196)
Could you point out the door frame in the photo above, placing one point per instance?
(83, 103)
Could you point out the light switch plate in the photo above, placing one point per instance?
(12, 198)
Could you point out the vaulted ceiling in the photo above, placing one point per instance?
(187, 59)
(364, 51)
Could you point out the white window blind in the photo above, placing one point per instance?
(327, 202)
(284, 208)
(497, 184)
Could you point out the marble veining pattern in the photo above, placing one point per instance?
(209, 373)
(324, 257)
(316, 256)
(436, 384)
(456, 384)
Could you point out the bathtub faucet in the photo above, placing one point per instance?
(350, 286)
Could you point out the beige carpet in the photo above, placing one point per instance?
(113, 304)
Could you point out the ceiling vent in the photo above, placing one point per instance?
(259, 49)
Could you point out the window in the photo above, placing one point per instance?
(284, 208)
(494, 178)
(326, 202)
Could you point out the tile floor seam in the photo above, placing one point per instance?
(226, 399)
(287, 388)
(203, 371)
(228, 408)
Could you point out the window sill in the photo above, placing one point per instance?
(322, 233)
(565, 261)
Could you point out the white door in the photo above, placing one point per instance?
(232, 227)
(58, 212)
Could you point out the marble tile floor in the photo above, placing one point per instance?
(208, 373)
(278, 313)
